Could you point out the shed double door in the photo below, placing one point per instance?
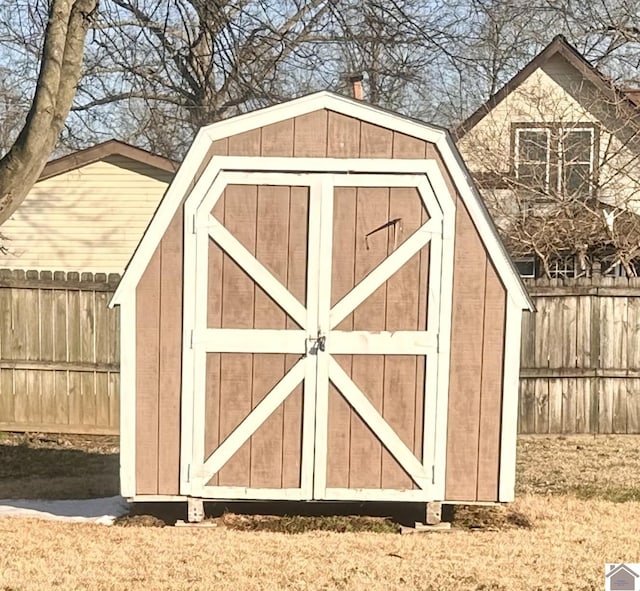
(312, 303)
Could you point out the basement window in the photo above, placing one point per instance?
(526, 266)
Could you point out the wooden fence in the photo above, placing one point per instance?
(59, 352)
(580, 361)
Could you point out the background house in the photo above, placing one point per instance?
(556, 155)
(64, 251)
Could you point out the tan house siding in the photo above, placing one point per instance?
(88, 220)
(558, 93)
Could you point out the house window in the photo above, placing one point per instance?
(526, 266)
(567, 266)
(532, 163)
(556, 160)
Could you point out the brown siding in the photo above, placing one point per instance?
(475, 387)
(491, 393)
(170, 358)
(323, 133)
(159, 362)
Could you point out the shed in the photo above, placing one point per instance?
(320, 309)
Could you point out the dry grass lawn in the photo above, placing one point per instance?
(570, 489)
(45, 466)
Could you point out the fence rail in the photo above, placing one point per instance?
(580, 359)
(59, 352)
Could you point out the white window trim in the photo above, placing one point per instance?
(558, 151)
(517, 159)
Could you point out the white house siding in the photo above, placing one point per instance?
(87, 220)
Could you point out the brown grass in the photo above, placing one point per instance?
(43, 466)
(602, 467)
(566, 549)
(557, 536)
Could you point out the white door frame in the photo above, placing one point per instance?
(316, 369)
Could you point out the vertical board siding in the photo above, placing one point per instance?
(580, 359)
(491, 388)
(158, 366)
(58, 352)
(148, 376)
(467, 329)
(170, 353)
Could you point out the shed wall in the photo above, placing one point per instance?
(477, 331)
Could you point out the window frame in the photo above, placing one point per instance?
(530, 259)
(555, 153)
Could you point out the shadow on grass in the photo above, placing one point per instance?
(30, 470)
(615, 494)
(295, 516)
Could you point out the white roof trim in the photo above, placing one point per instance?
(346, 106)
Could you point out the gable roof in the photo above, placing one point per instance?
(621, 568)
(559, 46)
(461, 177)
(104, 150)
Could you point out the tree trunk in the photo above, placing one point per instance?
(60, 71)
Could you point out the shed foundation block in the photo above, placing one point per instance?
(433, 513)
(195, 510)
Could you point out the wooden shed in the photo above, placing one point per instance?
(320, 309)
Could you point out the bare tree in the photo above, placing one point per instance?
(561, 186)
(175, 65)
(60, 70)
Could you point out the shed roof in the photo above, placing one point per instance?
(349, 107)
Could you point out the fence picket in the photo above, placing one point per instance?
(59, 352)
(581, 356)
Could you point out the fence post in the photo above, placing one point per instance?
(594, 418)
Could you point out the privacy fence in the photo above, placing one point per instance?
(580, 362)
(59, 356)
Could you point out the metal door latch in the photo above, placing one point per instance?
(316, 344)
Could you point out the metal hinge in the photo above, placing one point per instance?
(188, 472)
(433, 474)
(193, 224)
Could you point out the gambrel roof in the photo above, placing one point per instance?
(197, 156)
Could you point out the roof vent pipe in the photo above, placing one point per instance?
(356, 85)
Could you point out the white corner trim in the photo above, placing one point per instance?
(128, 396)
(188, 355)
(436, 410)
(509, 436)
